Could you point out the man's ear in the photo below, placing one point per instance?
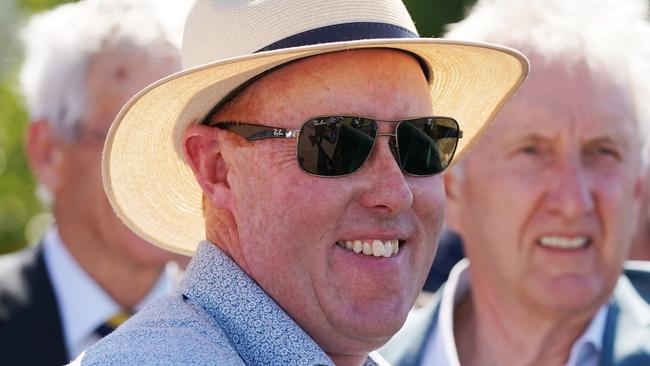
(44, 153)
(202, 150)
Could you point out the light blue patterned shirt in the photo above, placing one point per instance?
(219, 317)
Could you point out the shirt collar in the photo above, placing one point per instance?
(591, 341)
(457, 287)
(261, 331)
(83, 303)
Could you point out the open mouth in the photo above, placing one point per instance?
(376, 247)
(563, 242)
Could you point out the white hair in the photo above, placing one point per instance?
(611, 36)
(60, 43)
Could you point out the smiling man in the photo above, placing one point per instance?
(304, 141)
(335, 293)
(546, 202)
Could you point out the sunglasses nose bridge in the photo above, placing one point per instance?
(392, 144)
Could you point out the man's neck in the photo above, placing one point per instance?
(347, 360)
(497, 330)
(126, 281)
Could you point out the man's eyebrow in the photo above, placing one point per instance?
(521, 134)
(611, 139)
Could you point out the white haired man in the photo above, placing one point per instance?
(546, 202)
(315, 131)
(83, 62)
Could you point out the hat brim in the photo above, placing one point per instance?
(154, 191)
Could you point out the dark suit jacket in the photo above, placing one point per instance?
(450, 251)
(30, 325)
(626, 340)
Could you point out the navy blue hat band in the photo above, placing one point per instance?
(341, 33)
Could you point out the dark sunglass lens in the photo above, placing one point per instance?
(427, 145)
(335, 146)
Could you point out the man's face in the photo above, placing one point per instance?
(546, 201)
(289, 222)
(112, 78)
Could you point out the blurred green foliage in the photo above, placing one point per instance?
(430, 16)
(33, 6)
(17, 201)
(20, 221)
(19, 207)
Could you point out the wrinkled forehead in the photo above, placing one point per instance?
(572, 92)
(565, 103)
(116, 74)
(572, 82)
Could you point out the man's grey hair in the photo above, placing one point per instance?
(60, 43)
(611, 36)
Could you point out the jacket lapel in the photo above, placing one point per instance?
(626, 340)
(30, 325)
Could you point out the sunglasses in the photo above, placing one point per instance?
(336, 146)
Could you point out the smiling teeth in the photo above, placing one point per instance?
(564, 242)
(377, 248)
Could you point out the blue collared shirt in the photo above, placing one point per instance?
(219, 317)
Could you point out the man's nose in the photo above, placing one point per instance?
(571, 192)
(387, 190)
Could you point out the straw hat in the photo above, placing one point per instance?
(227, 42)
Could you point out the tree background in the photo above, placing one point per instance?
(22, 217)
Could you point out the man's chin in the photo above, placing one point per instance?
(572, 293)
(372, 327)
(361, 341)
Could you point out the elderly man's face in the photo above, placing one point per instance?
(546, 201)
(113, 77)
(289, 222)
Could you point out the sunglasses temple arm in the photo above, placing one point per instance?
(273, 133)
